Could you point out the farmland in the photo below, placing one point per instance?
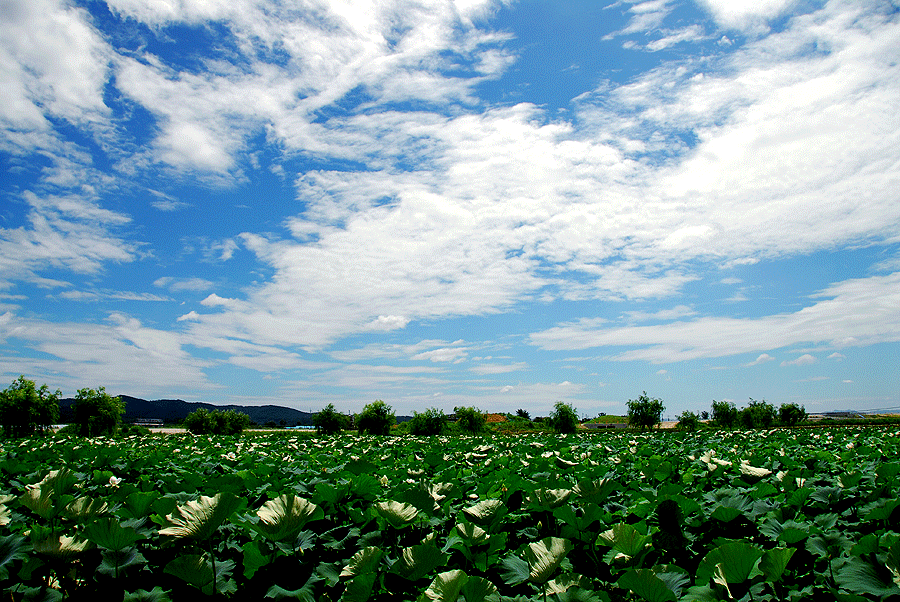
(713, 515)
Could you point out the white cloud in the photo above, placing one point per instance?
(742, 14)
(76, 355)
(850, 313)
(487, 368)
(182, 284)
(761, 359)
(804, 360)
(837, 356)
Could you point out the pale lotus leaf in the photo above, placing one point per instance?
(199, 519)
(545, 556)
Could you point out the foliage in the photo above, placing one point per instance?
(645, 412)
(216, 422)
(758, 414)
(430, 422)
(801, 514)
(96, 412)
(329, 421)
(377, 418)
(791, 414)
(523, 414)
(26, 409)
(724, 414)
(564, 418)
(688, 421)
(470, 420)
(128, 430)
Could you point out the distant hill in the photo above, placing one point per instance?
(173, 411)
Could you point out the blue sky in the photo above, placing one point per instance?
(488, 203)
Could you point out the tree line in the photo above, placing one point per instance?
(26, 409)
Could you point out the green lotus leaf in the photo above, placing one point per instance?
(737, 561)
(860, 577)
(485, 511)
(446, 587)
(197, 570)
(199, 519)
(548, 499)
(115, 561)
(62, 547)
(285, 516)
(364, 561)
(398, 514)
(110, 534)
(479, 589)
(359, 589)
(157, 594)
(10, 550)
(85, 508)
(647, 585)
(305, 593)
(774, 562)
(418, 561)
(595, 491)
(545, 556)
(625, 539)
(564, 583)
(514, 570)
(471, 534)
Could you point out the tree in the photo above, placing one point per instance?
(523, 414)
(430, 422)
(470, 420)
(377, 418)
(724, 414)
(688, 421)
(329, 421)
(96, 412)
(645, 412)
(205, 422)
(564, 418)
(759, 414)
(791, 414)
(25, 409)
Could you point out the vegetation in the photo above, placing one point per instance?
(216, 422)
(644, 412)
(430, 422)
(688, 421)
(26, 409)
(96, 412)
(329, 421)
(377, 418)
(791, 414)
(523, 414)
(670, 515)
(564, 418)
(470, 420)
(724, 414)
(758, 414)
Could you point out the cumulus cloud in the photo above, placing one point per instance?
(761, 359)
(804, 360)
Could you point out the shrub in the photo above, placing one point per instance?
(133, 429)
(523, 414)
(645, 412)
(564, 418)
(430, 422)
(329, 421)
(688, 421)
(791, 414)
(759, 414)
(470, 420)
(205, 422)
(724, 414)
(96, 413)
(377, 418)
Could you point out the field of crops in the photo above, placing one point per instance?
(768, 515)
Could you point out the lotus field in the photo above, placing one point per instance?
(806, 514)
